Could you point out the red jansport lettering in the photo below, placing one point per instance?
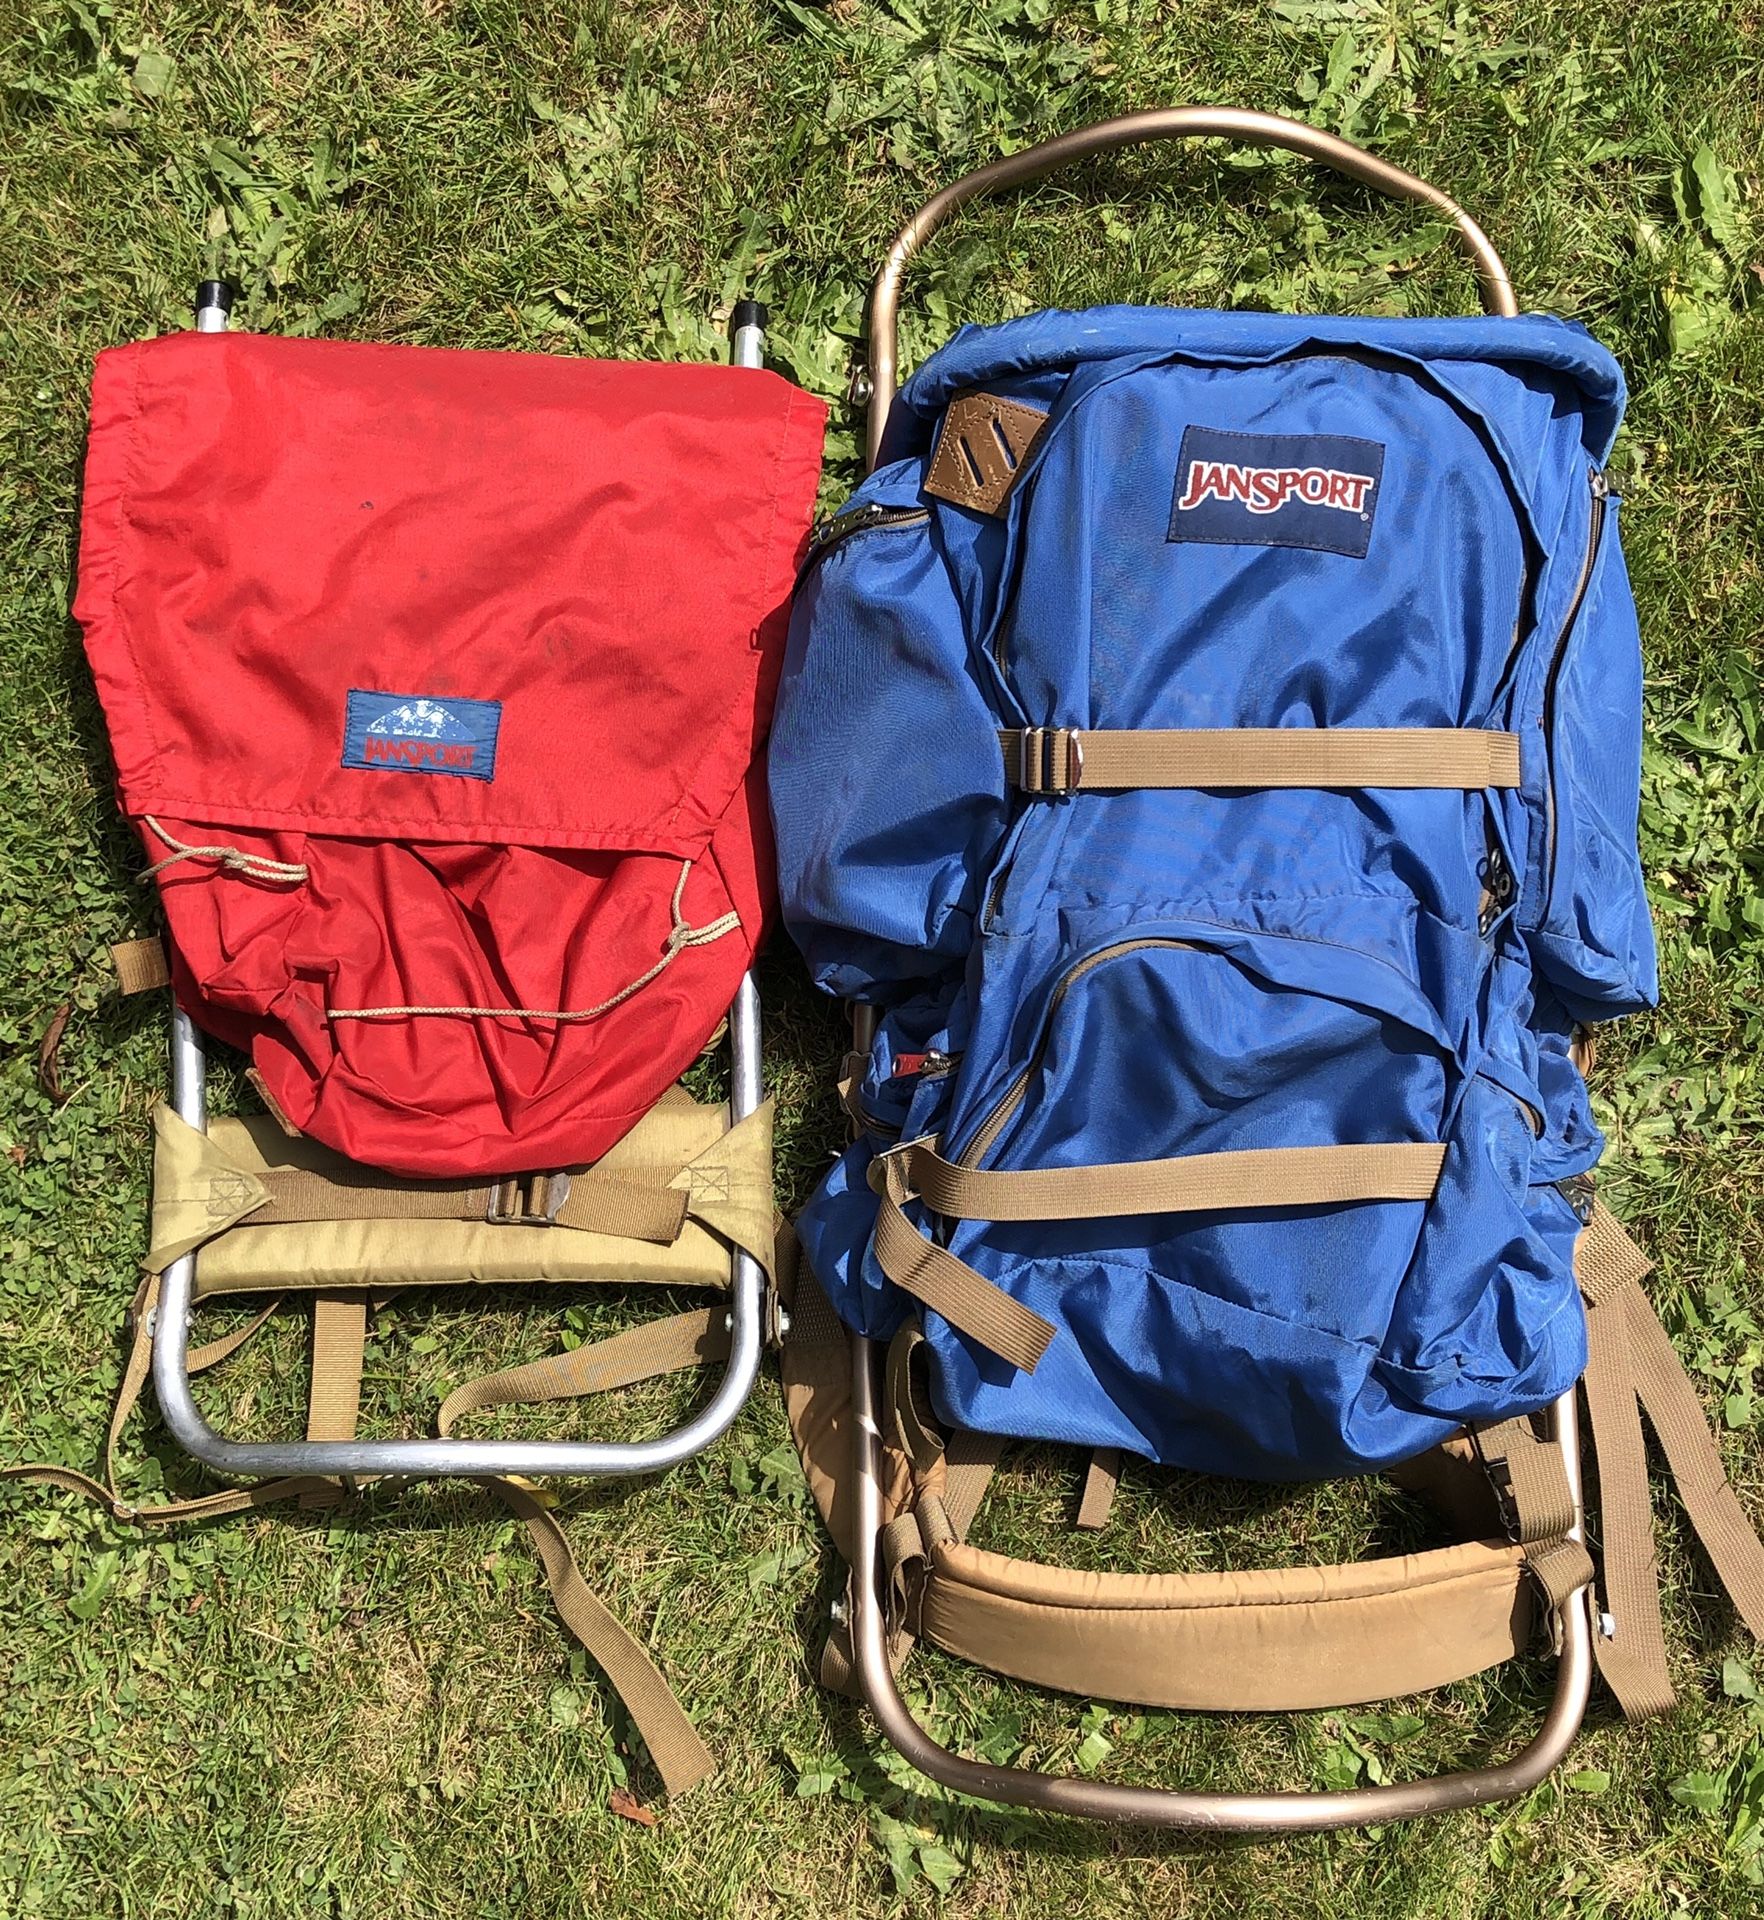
(417, 753)
(1267, 489)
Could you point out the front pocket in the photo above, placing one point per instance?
(1248, 1340)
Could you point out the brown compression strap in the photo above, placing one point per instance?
(681, 1757)
(1631, 1641)
(1101, 1477)
(141, 965)
(205, 1506)
(691, 1339)
(641, 1353)
(632, 1204)
(1262, 1177)
(1538, 1502)
(934, 1276)
(1083, 760)
(1632, 1359)
(1191, 1183)
(339, 1336)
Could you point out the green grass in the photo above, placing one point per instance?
(376, 1713)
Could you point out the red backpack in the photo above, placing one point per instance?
(436, 683)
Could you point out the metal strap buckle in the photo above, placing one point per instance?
(1051, 761)
(527, 1199)
(876, 1174)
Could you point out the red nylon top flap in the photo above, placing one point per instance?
(595, 556)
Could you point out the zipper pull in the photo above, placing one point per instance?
(1602, 488)
(923, 1066)
(1580, 1192)
(1497, 890)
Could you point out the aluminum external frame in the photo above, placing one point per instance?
(1087, 1799)
(1163, 123)
(466, 1459)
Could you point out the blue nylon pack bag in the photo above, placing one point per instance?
(1093, 528)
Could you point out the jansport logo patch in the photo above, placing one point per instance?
(1315, 490)
(414, 733)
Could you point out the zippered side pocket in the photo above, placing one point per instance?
(1587, 916)
(887, 783)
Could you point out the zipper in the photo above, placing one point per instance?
(1533, 1117)
(1497, 888)
(994, 1123)
(870, 518)
(1581, 1194)
(934, 1065)
(987, 1134)
(1602, 496)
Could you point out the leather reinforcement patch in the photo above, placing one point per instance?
(980, 450)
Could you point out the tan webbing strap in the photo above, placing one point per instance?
(851, 1078)
(1191, 1183)
(640, 1353)
(204, 1506)
(632, 1204)
(1632, 1367)
(681, 1757)
(698, 1338)
(1539, 1504)
(1101, 1477)
(1081, 760)
(1631, 1642)
(970, 1459)
(339, 1333)
(1529, 1471)
(934, 1276)
(339, 1336)
(1676, 1415)
(141, 965)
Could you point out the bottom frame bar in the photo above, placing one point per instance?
(1087, 1799)
(465, 1459)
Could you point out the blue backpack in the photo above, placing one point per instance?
(1208, 754)
(1233, 813)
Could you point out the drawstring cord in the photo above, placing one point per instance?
(679, 938)
(259, 866)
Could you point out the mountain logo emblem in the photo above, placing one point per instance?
(413, 733)
(419, 720)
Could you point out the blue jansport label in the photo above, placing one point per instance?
(1317, 490)
(417, 733)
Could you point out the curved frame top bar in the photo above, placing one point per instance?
(1164, 123)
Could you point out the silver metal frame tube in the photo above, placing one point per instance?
(474, 1459)
(1162, 1807)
